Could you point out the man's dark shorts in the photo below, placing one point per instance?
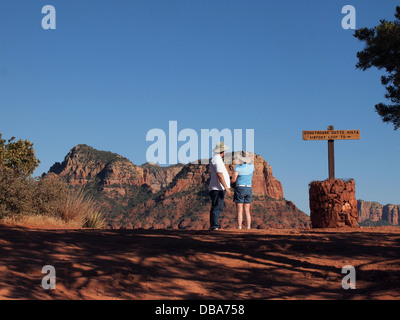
(243, 195)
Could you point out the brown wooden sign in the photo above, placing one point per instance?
(332, 135)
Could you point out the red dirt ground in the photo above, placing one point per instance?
(187, 264)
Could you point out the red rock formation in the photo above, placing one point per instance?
(124, 172)
(149, 196)
(368, 210)
(391, 214)
(264, 183)
(161, 177)
(333, 204)
(84, 164)
(185, 202)
(376, 212)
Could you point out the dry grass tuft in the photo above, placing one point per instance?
(80, 209)
(39, 221)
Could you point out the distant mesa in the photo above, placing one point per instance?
(372, 213)
(151, 196)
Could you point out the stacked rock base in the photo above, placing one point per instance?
(333, 204)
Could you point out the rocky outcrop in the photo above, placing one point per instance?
(264, 183)
(111, 172)
(161, 177)
(185, 202)
(369, 210)
(391, 214)
(124, 172)
(79, 166)
(333, 204)
(376, 212)
(150, 196)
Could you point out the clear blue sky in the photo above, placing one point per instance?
(113, 70)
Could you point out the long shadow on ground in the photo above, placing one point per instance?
(185, 264)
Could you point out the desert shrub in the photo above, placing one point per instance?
(81, 208)
(49, 196)
(22, 196)
(94, 219)
(16, 193)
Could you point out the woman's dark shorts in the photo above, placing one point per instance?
(243, 195)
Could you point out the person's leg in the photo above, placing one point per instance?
(239, 210)
(247, 214)
(220, 206)
(248, 194)
(213, 210)
(217, 205)
(239, 199)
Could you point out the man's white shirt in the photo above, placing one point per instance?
(217, 165)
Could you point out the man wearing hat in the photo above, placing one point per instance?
(219, 184)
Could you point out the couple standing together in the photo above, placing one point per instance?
(220, 184)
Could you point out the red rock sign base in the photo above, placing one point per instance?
(333, 204)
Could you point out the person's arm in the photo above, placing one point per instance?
(222, 180)
(235, 176)
(220, 168)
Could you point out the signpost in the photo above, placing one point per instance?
(331, 135)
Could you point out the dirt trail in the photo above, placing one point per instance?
(185, 264)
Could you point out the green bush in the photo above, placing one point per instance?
(22, 196)
(16, 194)
(18, 156)
(49, 197)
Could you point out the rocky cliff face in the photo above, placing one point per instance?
(150, 196)
(374, 212)
(160, 177)
(264, 183)
(111, 172)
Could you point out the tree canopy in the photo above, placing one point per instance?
(18, 156)
(382, 50)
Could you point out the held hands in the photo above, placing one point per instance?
(228, 190)
(221, 179)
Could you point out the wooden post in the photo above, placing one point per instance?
(331, 156)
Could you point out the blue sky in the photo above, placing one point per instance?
(113, 70)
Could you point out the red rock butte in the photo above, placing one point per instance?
(150, 196)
